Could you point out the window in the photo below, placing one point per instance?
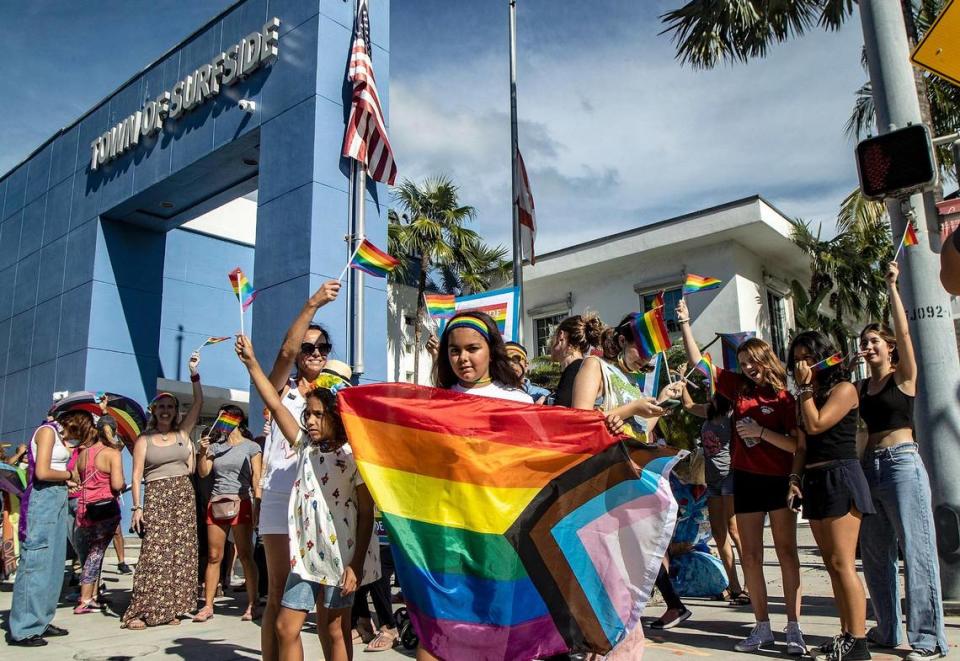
(543, 330)
(778, 324)
(670, 299)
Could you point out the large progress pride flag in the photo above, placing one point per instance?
(518, 531)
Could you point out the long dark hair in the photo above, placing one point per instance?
(233, 409)
(819, 347)
(718, 406)
(610, 338)
(327, 399)
(500, 370)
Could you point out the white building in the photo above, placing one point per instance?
(745, 243)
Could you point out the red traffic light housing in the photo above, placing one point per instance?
(896, 163)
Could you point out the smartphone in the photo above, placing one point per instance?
(670, 403)
(796, 503)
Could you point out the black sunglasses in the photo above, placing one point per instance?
(307, 349)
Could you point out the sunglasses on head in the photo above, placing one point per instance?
(307, 349)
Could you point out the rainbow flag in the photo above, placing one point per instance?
(729, 343)
(705, 367)
(650, 333)
(828, 362)
(225, 424)
(242, 288)
(370, 259)
(518, 531)
(910, 235)
(213, 340)
(497, 312)
(658, 299)
(440, 306)
(698, 283)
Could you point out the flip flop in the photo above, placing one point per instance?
(740, 598)
(202, 615)
(384, 641)
(135, 625)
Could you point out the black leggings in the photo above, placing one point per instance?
(666, 589)
(379, 592)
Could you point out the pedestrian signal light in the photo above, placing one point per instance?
(896, 163)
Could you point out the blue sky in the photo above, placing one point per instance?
(615, 133)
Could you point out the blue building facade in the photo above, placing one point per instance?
(99, 290)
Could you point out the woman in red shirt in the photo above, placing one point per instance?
(763, 442)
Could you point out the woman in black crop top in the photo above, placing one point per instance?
(828, 479)
(900, 488)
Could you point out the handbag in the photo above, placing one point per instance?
(225, 508)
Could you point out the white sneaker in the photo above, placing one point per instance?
(759, 636)
(795, 644)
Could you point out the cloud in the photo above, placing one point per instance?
(615, 133)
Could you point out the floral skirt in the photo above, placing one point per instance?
(165, 581)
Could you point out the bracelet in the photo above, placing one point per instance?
(134, 509)
(795, 477)
(195, 377)
(762, 429)
(683, 321)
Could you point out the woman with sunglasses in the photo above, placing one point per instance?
(306, 347)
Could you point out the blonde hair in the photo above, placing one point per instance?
(772, 371)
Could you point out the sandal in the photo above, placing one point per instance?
(252, 613)
(740, 598)
(726, 595)
(204, 614)
(89, 606)
(135, 624)
(385, 640)
(364, 631)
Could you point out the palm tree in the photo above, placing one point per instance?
(429, 228)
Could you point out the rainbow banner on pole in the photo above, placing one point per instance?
(827, 363)
(213, 340)
(650, 333)
(705, 367)
(518, 531)
(697, 283)
(242, 288)
(440, 306)
(501, 304)
(225, 424)
(910, 236)
(370, 259)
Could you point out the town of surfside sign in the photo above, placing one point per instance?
(238, 61)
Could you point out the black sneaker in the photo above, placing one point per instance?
(826, 647)
(29, 641)
(124, 568)
(848, 648)
(54, 631)
(919, 654)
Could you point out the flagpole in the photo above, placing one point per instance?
(355, 303)
(515, 200)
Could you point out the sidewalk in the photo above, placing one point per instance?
(711, 632)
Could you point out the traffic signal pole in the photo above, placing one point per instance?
(937, 414)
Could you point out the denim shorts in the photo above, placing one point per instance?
(721, 487)
(303, 595)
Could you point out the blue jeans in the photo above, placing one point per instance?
(36, 591)
(901, 494)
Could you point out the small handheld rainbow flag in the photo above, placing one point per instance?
(225, 424)
(370, 259)
(650, 333)
(697, 283)
(242, 288)
(440, 306)
(658, 299)
(828, 362)
(213, 340)
(705, 367)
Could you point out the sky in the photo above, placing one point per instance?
(615, 132)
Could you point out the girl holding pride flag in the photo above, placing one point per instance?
(604, 383)
(330, 517)
(165, 582)
(305, 347)
(763, 443)
(827, 477)
(901, 491)
(235, 462)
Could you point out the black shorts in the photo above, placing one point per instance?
(753, 492)
(834, 489)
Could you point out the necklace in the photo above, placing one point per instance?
(479, 382)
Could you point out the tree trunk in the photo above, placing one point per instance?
(421, 286)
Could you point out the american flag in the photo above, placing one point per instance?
(366, 138)
(526, 211)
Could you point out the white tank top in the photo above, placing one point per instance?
(279, 455)
(61, 453)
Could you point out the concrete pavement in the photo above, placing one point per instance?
(711, 632)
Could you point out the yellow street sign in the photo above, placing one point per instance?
(939, 50)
